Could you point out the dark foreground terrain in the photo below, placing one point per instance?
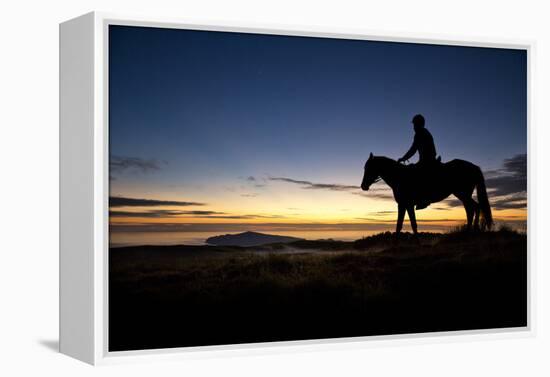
(174, 296)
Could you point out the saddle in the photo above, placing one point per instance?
(425, 176)
(427, 165)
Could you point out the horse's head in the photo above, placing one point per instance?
(371, 173)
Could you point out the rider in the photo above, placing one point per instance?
(424, 144)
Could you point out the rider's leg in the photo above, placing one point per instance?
(424, 170)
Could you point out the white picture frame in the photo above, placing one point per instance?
(84, 192)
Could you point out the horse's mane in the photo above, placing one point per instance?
(385, 159)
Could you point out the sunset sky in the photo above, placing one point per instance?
(210, 128)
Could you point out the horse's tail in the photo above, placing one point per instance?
(485, 207)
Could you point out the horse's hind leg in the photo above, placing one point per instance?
(476, 207)
(468, 206)
(472, 212)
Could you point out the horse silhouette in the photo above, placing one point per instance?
(457, 177)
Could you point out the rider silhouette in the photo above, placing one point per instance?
(423, 144)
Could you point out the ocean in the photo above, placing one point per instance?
(132, 238)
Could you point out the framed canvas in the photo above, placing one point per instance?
(231, 188)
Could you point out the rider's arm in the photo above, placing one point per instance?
(412, 150)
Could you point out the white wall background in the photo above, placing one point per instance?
(29, 185)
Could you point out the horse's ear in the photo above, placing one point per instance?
(370, 155)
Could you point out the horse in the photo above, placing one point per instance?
(456, 177)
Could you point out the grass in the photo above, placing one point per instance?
(170, 296)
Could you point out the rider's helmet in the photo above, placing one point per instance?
(418, 120)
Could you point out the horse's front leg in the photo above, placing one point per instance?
(412, 219)
(400, 217)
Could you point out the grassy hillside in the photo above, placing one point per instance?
(170, 296)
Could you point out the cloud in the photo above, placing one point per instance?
(250, 184)
(381, 213)
(118, 201)
(308, 185)
(516, 200)
(516, 165)
(383, 194)
(508, 185)
(159, 213)
(244, 217)
(230, 217)
(267, 216)
(511, 178)
(121, 164)
(518, 204)
(253, 195)
(246, 226)
(258, 182)
(378, 191)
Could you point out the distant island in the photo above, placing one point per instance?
(247, 239)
